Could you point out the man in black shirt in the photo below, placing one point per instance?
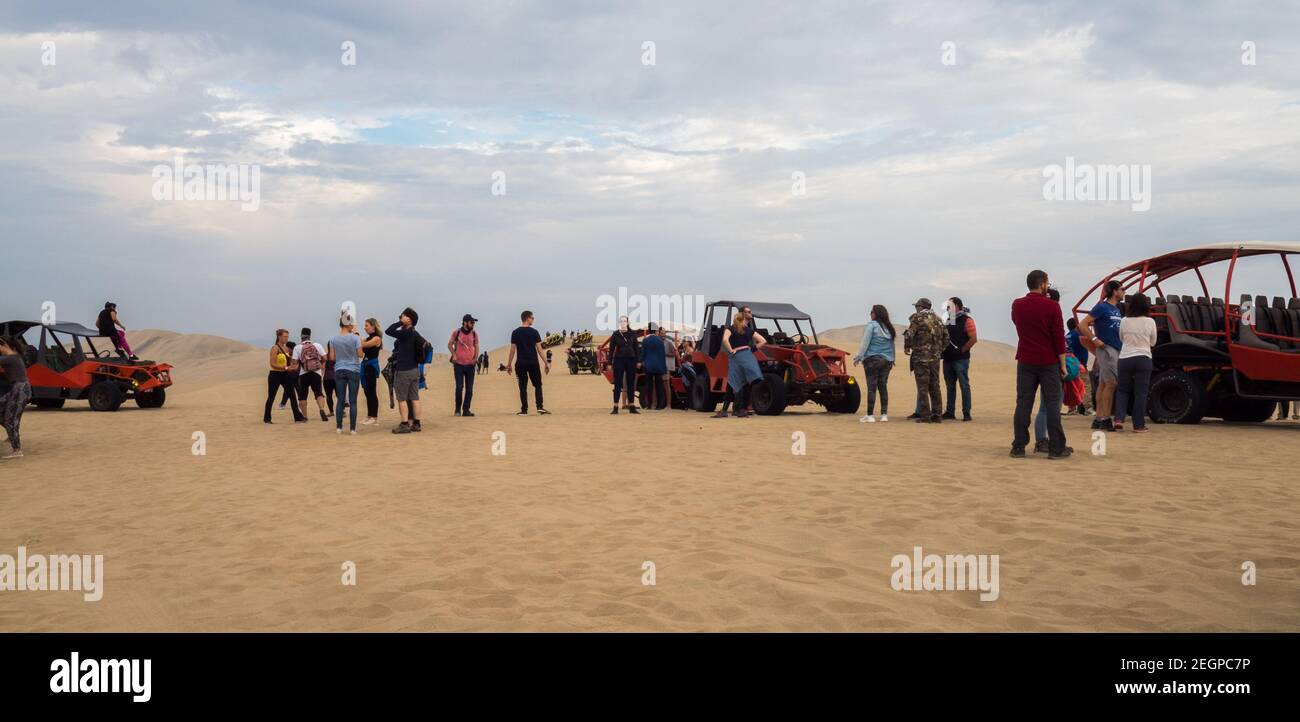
(407, 355)
(527, 344)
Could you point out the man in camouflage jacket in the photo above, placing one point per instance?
(925, 339)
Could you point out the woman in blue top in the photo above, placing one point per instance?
(876, 354)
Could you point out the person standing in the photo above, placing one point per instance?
(1101, 328)
(370, 371)
(526, 347)
(740, 340)
(876, 354)
(654, 363)
(925, 339)
(282, 376)
(624, 354)
(1075, 346)
(1137, 334)
(111, 326)
(345, 353)
(1040, 365)
(463, 346)
(408, 353)
(15, 392)
(309, 359)
(956, 358)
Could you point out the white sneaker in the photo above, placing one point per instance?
(338, 430)
(370, 422)
(883, 417)
(868, 419)
(352, 432)
(13, 455)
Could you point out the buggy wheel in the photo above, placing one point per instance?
(105, 396)
(1176, 397)
(151, 399)
(769, 395)
(701, 397)
(851, 401)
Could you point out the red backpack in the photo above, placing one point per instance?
(309, 358)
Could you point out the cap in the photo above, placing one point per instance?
(468, 317)
(922, 303)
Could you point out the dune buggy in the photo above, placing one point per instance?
(796, 368)
(1213, 357)
(581, 359)
(680, 394)
(63, 363)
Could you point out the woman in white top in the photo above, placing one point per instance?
(1137, 334)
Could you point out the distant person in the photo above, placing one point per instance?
(345, 353)
(1040, 365)
(1101, 328)
(1137, 334)
(284, 397)
(654, 363)
(327, 382)
(525, 362)
(956, 358)
(688, 369)
(309, 358)
(624, 353)
(408, 353)
(876, 354)
(464, 350)
(15, 392)
(925, 339)
(282, 377)
(370, 371)
(1075, 345)
(740, 340)
(111, 326)
(1041, 439)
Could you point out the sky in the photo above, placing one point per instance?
(833, 155)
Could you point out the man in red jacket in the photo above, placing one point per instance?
(1040, 364)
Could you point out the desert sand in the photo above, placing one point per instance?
(743, 534)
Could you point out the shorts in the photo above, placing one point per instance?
(310, 380)
(406, 385)
(1108, 364)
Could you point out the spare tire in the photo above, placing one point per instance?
(1176, 397)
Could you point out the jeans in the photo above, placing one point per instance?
(464, 382)
(1032, 379)
(625, 378)
(347, 382)
(525, 373)
(877, 371)
(957, 371)
(1134, 381)
(1040, 423)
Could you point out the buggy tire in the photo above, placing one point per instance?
(151, 399)
(1176, 397)
(105, 396)
(701, 396)
(851, 401)
(768, 395)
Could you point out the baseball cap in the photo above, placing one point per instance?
(468, 317)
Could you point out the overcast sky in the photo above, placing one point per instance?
(922, 178)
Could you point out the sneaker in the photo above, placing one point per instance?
(949, 416)
(303, 420)
(353, 432)
(743, 414)
(370, 421)
(913, 417)
(614, 412)
(415, 426)
(1017, 452)
(966, 417)
(340, 430)
(467, 413)
(1141, 430)
(402, 428)
(1116, 426)
(633, 410)
(522, 412)
(324, 417)
(1107, 425)
(1096, 424)
(1063, 453)
(542, 412)
(282, 407)
(884, 417)
(719, 415)
(923, 420)
(457, 412)
(936, 419)
(1040, 447)
(868, 419)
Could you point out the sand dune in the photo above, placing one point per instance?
(553, 535)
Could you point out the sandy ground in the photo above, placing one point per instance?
(744, 535)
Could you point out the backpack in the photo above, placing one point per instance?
(1072, 367)
(309, 358)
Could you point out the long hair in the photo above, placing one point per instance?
(881, 314)
(1139, 306)
(374, 323)
(738, 322)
